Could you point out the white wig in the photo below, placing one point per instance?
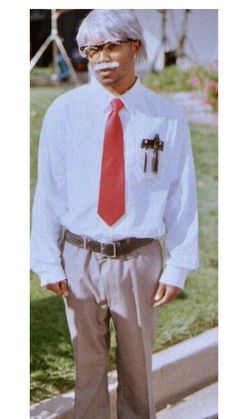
(109, 25)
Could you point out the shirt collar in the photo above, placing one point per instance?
(104, 97)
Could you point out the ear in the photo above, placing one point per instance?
(135, 46)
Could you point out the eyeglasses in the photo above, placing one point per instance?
(91, 51)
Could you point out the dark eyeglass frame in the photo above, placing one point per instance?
(101, 46)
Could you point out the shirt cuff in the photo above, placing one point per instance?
(52, 278)
(175, 276)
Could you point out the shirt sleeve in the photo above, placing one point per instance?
(181, 215)
(49, 201)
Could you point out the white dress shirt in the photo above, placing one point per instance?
(162, 205)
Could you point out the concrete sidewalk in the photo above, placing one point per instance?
(202, 404)
(178, 371)
(195, 106)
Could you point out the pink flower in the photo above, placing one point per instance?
(213, 65)
(207, 85)
(193, 81)
(215, 86)
(211, 85)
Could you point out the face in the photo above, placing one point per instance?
(113, 63)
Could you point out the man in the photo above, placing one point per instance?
(116, 175)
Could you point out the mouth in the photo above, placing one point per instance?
(106, 73)
(105, 70)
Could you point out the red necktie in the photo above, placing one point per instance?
(111, 204)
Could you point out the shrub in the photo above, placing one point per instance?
(197, 78)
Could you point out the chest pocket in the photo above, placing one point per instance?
(146, 159)
(151, 160)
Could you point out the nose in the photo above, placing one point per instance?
(103, 57)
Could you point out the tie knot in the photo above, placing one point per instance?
(117, 105)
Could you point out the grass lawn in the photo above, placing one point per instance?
(194, 311)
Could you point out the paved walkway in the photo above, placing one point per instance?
(195, 106)
(202, 404)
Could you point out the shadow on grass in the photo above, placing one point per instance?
(52, 366)
(52, 363)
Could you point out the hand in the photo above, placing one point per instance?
(165, 294)
(60, 288)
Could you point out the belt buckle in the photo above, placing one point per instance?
(114, 250)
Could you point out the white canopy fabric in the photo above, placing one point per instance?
(201, 45)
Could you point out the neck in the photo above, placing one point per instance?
(120, 87)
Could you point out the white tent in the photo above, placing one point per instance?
(201, 37)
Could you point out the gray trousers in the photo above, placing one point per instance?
(102, 288)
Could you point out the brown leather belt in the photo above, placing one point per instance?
(111, 250)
